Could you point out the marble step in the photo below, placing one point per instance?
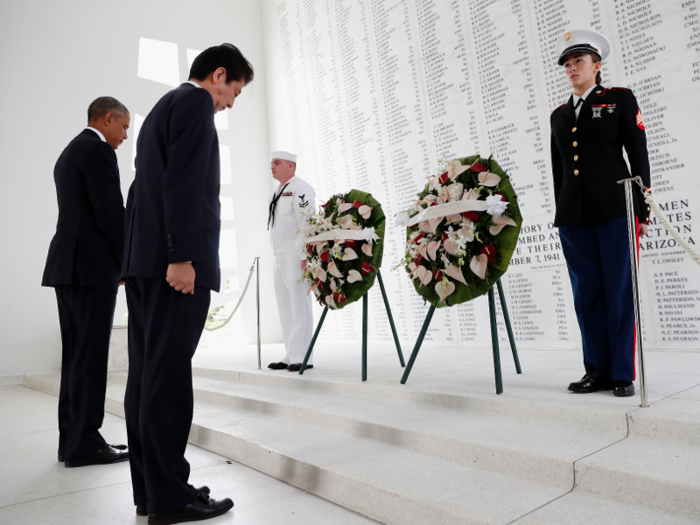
(380, 480)
(658, 466)
(477, 438)
(580, 507)
(403, 456)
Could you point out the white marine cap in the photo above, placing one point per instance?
(582, 41)
(284, 155)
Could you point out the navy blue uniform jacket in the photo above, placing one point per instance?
(87, 247)
(587, 157)
(173, 211)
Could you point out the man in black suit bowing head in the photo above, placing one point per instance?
(171, 265)
(83, 267)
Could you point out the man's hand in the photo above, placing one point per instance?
(303, 265)
(181, 277)
(643, 229)
(119, 278)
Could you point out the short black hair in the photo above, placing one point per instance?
(227, 56)
(99, 107)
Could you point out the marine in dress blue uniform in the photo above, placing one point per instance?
(589, 134)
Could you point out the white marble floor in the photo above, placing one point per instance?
(36, 489)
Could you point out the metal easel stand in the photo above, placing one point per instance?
(364, 330)
(634, 262)
(494, 338)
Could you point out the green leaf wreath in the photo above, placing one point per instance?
(344, 246)
(461, 231)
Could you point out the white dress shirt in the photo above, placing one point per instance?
(99, 134)
(584, 97)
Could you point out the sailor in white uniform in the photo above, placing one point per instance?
(288, 208)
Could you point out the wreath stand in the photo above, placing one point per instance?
(494, 338)
(364, 330)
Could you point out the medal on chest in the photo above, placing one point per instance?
(598, 109)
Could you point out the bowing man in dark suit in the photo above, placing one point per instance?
(171, 264)
(589, 134)
(83, 267)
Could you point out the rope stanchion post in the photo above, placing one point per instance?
(257, 303)
(634, 262)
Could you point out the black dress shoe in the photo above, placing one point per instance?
(117, 446)
(591, 382)
(297, 366)
(202, 508)
(623, 389)
(141, 509)
(107, 454)
(277, 366)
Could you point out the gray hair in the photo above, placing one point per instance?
(103, 105)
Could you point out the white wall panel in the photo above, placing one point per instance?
(372, 93)
(59, 56)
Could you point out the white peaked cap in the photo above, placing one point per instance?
(284, 155)
(582, 41)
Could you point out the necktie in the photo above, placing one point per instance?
(578, 104)
(273, 207)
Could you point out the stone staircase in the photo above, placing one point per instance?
(426, 454)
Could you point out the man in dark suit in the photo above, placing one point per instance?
(171, 264)
(83, 267)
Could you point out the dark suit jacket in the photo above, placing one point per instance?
(87, 247)
(172, 212)
(587, 157)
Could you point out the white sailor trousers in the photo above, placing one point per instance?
(294, 305)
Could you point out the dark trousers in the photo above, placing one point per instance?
(164, 329)
(598, 258)
(85, 315)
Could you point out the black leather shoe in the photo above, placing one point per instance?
(107, 454)
(277, 366)
(202, 508)
(591, 382)
(117, 446)
(623, 389)
(141, 509)
(297, 366)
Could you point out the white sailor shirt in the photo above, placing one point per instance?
(298, 199)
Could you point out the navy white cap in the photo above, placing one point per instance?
(284, 155)
(582, 41)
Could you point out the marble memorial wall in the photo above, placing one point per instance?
(372, 93)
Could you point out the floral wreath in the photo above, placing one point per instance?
(344, 247)
(462, 231)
